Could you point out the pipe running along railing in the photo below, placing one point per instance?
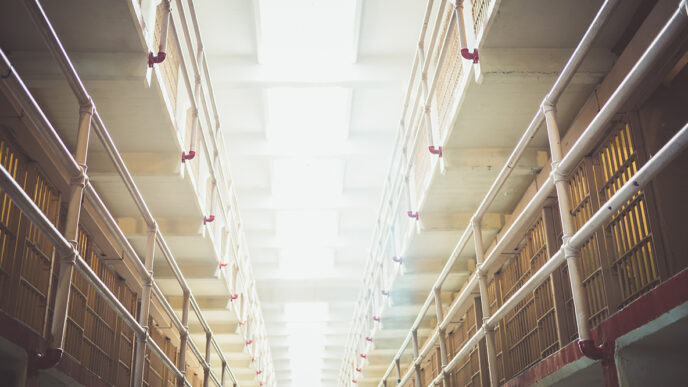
(398, 177)
(561, 167)
(75, 168)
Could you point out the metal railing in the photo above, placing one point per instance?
(423, 84)
(572, 242)
(76, 167)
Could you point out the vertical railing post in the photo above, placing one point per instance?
(485, 302)
(442, 335)
(414, 335)
(64, 277)
(223, 374)
(580, 303)
(206, 370)
(183, 338)
(397, 367)
(140, 353)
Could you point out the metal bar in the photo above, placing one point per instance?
(416, 366)
(485, 303)
(184, 335)
(442, 334)
(144, 313)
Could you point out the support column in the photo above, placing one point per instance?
(442, 336)
(144, 314)
(206, 370)
(485, 303)
(580, 302)
(64, 277)
(223, 375)
(414, 334)
(183, 337)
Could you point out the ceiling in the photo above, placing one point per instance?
(309, 94)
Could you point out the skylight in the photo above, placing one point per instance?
(307, 118)
(287, 31)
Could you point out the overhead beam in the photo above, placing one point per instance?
(245, 72)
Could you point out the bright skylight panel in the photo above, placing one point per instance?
(307, 118)
(305, 262)
(306, 228)
(306, 32)
(306, 311)
(307, 180)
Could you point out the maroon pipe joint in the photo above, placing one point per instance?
(208, 219)
(396, 259)
(233, 297)
(188, 156)
(358, 370)
(384, 292)
(364, 356)
(592, 351)
(412, 214)
(466, 54)
(153, 59)
(435, 151)
(376, 318)
(370, 339)
(42, 361)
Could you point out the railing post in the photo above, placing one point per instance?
(223, 375)
(64, 277)
(485, 302)
(206, 370)
(140, 354)
(442, 335)
(397, 367)
(414, 335)
(183, 337)
(580, 303)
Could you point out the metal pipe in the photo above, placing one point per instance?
(485, 303)
(416, 366)
(638, 73)
(64, 276)
(144, 313)
(162, 47)
(442, 334)
(206, 371)
(183, 336)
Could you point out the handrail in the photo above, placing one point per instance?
(580, 147)
(80, 92)
(211, 140)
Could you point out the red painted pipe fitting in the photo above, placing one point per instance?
(354, 381)
(40, 361)
(249, 342)
(253, 359)
(224, 264)
(233, 297)
(376, 318)
(592, 351)
(364, 356)
(358, 370)
(369, 339)
(153, 59)
(242, 323)
(259, 372)
(385, 292)
(466, 54)
(208, 219)
(412, 214)
(188, 156)
(396, 259)
(435, 151)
